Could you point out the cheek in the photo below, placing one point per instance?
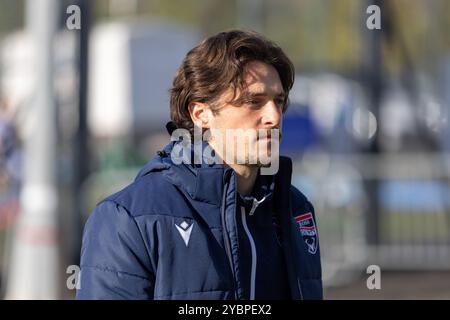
(231, 119)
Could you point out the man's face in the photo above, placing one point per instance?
(260, 111)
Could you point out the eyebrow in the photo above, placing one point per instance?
(246, 95)
(250, 94)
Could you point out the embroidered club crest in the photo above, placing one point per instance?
(308, 231)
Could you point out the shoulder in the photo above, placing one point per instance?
(110, 230)
(146, 195)
(107, 218)
(300, 203)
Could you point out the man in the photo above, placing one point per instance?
(192, 228)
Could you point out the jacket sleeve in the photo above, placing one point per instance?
(312, 284)
(114, 260)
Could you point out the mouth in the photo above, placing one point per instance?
(269, 137)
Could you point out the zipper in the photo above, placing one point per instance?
(300, 289)
(227, 240)
(254, 258)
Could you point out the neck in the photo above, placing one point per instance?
(246, 177)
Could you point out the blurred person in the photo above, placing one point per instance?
(10, 166)
(211, 230)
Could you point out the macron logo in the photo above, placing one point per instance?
(185, 231)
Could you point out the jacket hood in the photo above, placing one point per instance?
(183, 167)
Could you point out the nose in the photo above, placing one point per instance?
(271, 115)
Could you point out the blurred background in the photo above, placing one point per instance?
(84, 102)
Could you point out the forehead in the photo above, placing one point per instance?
(262, 77)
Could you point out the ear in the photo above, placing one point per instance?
(200, 114)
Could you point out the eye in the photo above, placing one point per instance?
(253, 102)
(280, 102)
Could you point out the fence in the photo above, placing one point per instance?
(412, 218)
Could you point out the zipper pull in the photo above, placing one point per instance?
(255, 204)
